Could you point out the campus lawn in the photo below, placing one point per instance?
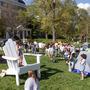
(54, 76)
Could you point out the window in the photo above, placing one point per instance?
(1, 3)
(0, 13)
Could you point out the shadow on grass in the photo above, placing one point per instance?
(58, 59)
(23, 77)
(47, 72)
(2, 61)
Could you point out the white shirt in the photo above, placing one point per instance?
(51, 50)
(31, 84)
(62, 48)
(83, 62)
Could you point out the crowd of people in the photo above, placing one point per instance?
(52, 50)
(60, 49)
(69, 53)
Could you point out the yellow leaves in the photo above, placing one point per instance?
(66, 14)
(45, 22)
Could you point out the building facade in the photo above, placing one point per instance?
(9, 11)
(9, 8)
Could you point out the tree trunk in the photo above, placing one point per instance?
(46, 35)
(53, 34)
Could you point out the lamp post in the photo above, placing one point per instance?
(53, 27)
(87, 34)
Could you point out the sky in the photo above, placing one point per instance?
(28, 1)
(83, 1)
(80, 3)
(85, 4)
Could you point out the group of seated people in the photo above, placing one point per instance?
(33, 47)
(70, 54)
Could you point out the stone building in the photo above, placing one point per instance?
(9, 11)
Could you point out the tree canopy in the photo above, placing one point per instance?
(56, 18)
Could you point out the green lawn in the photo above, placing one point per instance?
(54, 76)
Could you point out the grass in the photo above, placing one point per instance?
(54, 76)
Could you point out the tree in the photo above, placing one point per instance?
(30, 21)
(48, 11)
(55, 17)
(82, 24)
(66, 20)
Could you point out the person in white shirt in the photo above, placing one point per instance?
(82, 65)
(32, 83)
(51, 52)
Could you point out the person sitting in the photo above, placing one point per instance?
(32, 83)
(72, 61)
(20, 53)
(66, 55)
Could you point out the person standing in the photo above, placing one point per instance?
(82, 65)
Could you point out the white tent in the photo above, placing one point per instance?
(87, 67)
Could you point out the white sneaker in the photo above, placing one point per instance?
(2, 74)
